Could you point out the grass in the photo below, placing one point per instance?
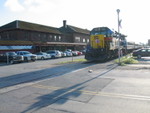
(72, 61)
(126, 60)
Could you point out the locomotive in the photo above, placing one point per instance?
(104, 44)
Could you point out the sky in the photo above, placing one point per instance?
(85, 14)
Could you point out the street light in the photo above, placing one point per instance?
(118, 11)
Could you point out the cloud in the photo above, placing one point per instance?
(32, 6)
(14, 5)
(38, 6)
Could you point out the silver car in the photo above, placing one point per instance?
(54, 53)
(43, 56)
(27, 55)
(68, 53)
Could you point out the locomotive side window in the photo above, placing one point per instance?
(143, 50)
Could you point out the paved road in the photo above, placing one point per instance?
(26, 72)
(107, 89)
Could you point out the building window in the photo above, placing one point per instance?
(59, 38)
(50, 36)
(44, 38)
(7, 36)
(55, 38)
(83, 39)
(87, 40)
(77, 39)
(44, 35)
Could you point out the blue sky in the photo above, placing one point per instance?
(85, 14)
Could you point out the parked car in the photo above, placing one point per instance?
(68, 53)
(43, 56)
(75, 53)
(83, 51)
(69, 50)
(141, 53)
(27, 55)
(11, 57)
(79, 53)
(63, 54)
(54, 53)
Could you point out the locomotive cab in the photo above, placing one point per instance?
(104, 44)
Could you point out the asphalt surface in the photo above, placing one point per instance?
(76, 88)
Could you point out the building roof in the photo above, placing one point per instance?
(72, 29)
(29, 26)
(79, 30)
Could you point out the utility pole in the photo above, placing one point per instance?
(118, 11)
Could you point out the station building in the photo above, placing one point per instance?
(20, 35)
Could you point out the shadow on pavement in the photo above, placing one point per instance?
(42, 74)
(62, 95)
(48, 99)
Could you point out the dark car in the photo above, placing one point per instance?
(142, 53)
(11, 57)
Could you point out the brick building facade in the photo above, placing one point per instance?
(41, 38)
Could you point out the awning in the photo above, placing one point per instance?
(66, 43)
(15, 47)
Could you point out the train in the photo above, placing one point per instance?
(106, 44)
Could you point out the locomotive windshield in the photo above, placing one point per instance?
(103, 31)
